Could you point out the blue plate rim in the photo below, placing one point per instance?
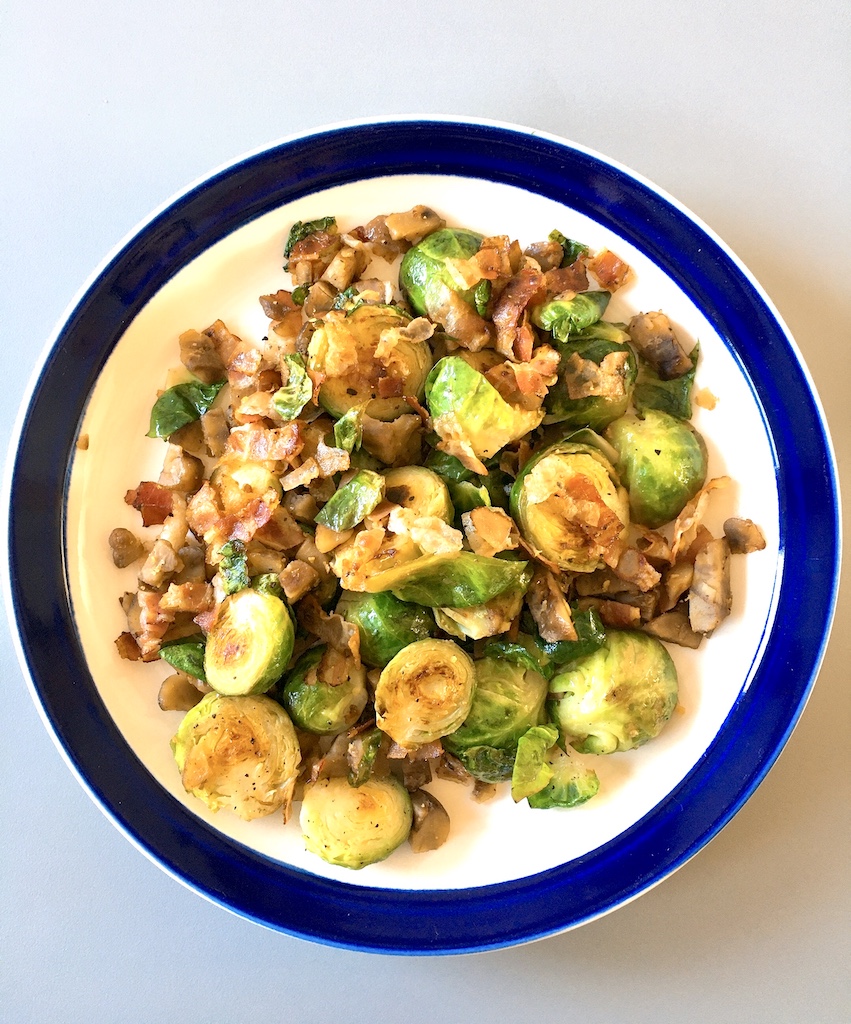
(414, 921)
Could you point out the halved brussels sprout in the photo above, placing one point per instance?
(570, 508)
(425, 692)
(663, 461)
(240, 753)
(509, 699)
(566, 316)
(421, 489)
(457, 580)
(617, 698)
(571, 783)
(386, 624)
(597, 373)
(317, 704)
(425, 274)
(467, 408)
(343, 349)
(354, 826)
(249, 644)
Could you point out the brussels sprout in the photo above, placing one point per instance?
(509, 699)
(240, 753)
(663, 461)
(425, 275)
(569, 506)
(419, 488)
(386, 625)
(532, 770)
(597, 372)
(249, 645)
(571, 783)
(458, 580)
(354, 826)
(565, 316)
(467, 408)
(425, 692)
(352, 503)
(343, 349)
(319, 705)
(289, 400)
(617, 698)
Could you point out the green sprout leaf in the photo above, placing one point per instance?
(180, 405)
(186, 655)
(352, 503)
(290, 399)
(233, 568)
(532, 770)
(348, 430)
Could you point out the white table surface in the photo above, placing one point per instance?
(740, 110)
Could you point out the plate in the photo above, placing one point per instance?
(508, 874)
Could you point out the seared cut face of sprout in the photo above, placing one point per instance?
(441, 521)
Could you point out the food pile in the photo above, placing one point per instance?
(439, 522)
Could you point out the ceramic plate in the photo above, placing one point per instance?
(508, 874)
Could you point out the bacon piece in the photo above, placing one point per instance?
(514, 335)
(154, 502)
(566, 279)
(257, 443)
(609, 269)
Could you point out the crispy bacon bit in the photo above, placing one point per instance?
(188, 597)
(653, 336)
(153, 623)
(154, 502)
(390, 387)
(331, 460)
(514, 335)
(549, 607)
(297, 579)
(609, 269)
(526, 384)
(307, 471)
(566, 279)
